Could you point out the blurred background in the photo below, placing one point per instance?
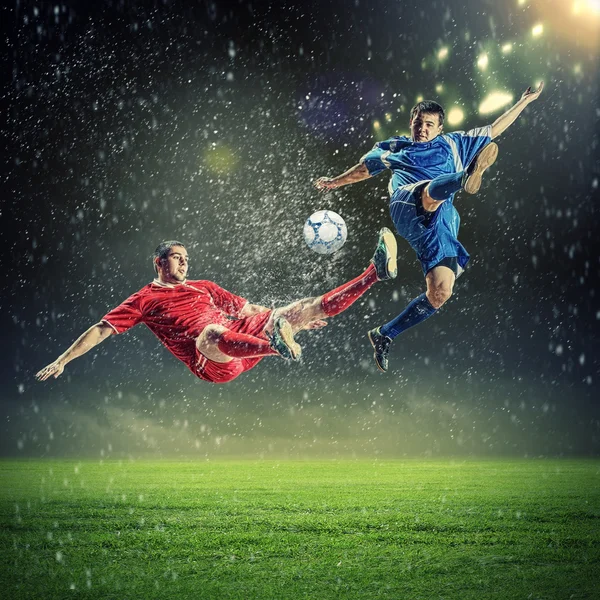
(131, 122)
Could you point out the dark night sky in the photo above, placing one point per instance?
(132, 122)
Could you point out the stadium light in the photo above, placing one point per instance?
(455, 116)
(537, 30)
(494, 102)
(585, 7)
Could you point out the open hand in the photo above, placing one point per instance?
(53, 369)
(531, 95)
(325, 183)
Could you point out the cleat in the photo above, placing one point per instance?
(384, 258)
(486, 158)
(282, 340)
(381, 344)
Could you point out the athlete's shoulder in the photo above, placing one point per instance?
(394, 144)
(203, 285)
(200, 283)
(149, 288)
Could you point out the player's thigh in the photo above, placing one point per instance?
(208, 343)
(301, 313)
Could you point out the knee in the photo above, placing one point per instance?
(211, 334)
(439, 295)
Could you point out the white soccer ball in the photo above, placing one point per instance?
(325, 232)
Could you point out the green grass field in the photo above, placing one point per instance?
(341, 529)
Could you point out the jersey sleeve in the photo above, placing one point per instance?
(466, 144)
(229, 303)
(126, 315)
(376, 159)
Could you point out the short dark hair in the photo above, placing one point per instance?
(162, 250)
(428, 106)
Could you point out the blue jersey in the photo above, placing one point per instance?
(413, 164)
(416, 162)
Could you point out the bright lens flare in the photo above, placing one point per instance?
(482, 61)
(507, 48)
(583, 7)
(376, 125)
(537, 30)
(442, 54)
(455, 116)
(495, 101)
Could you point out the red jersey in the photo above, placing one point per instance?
(177, 314)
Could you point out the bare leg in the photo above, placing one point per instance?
(299, 314)
(440, 283)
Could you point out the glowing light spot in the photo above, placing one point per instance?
(419, 98)
(388, 117)
(442, 53)
(521, 2)
(219, 159)
(494, 102)
(582, 7)
(439, 88)
(376, 125)
(482, 61)
(537, 30)
(455, 116)
(594, 6)
(577, 69)
(507, 48)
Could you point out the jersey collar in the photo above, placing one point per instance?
(167, 285)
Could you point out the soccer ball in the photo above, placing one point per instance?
(325, 232)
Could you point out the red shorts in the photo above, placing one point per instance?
(215, 372)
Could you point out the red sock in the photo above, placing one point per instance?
(242, 345)
(338, 300)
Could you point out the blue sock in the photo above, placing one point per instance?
(444, 186)
(417, 311)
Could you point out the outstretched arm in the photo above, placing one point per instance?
(353, 175)
(92, 337)
(503, 122)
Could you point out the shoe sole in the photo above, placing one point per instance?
(286, 333)
(389, 240)
(375, 353)
(485, 159)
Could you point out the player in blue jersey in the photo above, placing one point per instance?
(427, 169)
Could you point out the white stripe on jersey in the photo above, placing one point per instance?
(401, 202)
(384, 160)
(455, 155)
(409, 187)
(480, 132)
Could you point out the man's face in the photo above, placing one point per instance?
(174, 268)
(425, 126)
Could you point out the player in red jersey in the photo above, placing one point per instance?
(217, 334)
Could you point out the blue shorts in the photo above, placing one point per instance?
(432, 241)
